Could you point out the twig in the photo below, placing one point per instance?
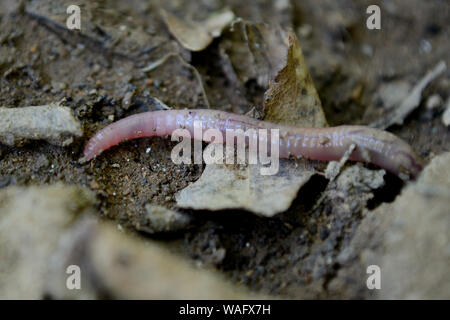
(412, 101)
(155, 64)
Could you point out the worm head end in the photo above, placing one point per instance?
(409, 165)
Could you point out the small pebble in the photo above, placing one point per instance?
(96, 68)
(162, 219)
(94, 185)
(34, 48)
(434, 102)
(425, 46)
(305, 31)
(127, 100)
(446, 114)
(42, 161)
(367, 50)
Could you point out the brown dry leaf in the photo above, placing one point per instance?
(292, 98)
(268, 46)
(234, 47)
(196, 36)
(224, 187)
(255, 50)
(274, 58)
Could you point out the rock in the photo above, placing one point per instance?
(408, 239)
(334, 167)
(127, 100)
(124, 267)
(52, 123)
(433, 102)
(416, 261)
(353, 187)
(42, 161)
(46, 230)
(359, 178)
(305, 30)
(446, 114)
(12, 6)
(161, 219)
(32, 220)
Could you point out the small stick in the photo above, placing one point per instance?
(161, 61)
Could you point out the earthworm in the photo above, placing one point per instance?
(328, 144)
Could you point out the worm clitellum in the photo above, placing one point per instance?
(372, 145)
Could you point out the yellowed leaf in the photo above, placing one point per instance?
(292, 98)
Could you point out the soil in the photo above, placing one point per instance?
(292, 255)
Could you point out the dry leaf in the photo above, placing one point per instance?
(274, 58)
(411, 102)
(223, 187)
(268, 45)
(256, 51)
(292, 98)
(196, 36)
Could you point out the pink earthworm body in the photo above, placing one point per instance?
(372, 145)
